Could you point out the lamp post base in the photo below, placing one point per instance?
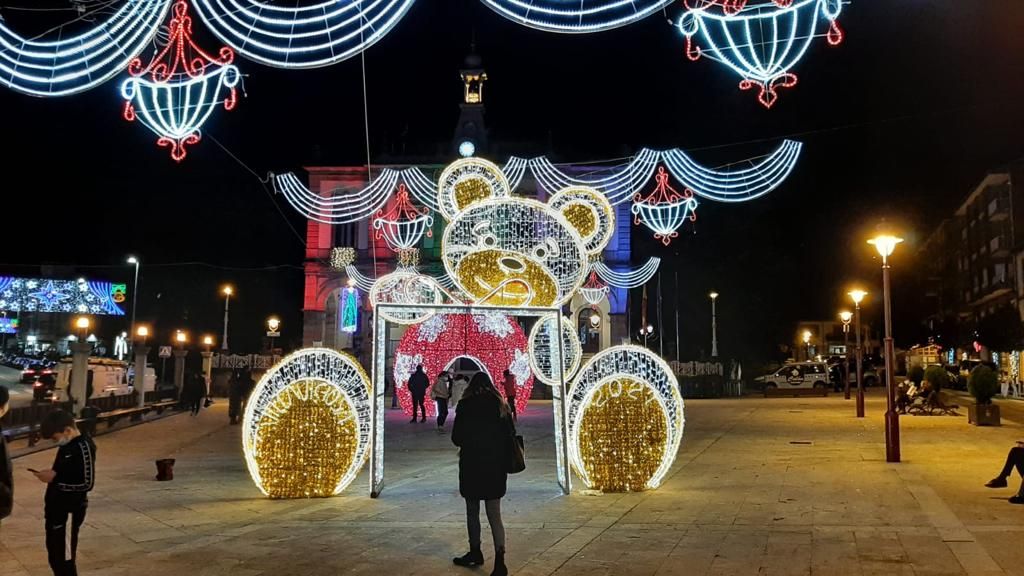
(892, 436)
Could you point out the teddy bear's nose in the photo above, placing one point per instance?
(510, 264)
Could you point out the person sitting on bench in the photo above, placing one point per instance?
(1015, 459)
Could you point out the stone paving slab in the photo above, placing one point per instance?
(743, 498)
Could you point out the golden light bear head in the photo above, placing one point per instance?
(509, 251)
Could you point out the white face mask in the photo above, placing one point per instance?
(63, 441)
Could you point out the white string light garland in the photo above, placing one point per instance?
(64, 66)
(310, 36)
(576, 16)
(631, 279)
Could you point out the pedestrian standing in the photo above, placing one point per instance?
(67, 491)
(418, 384)
(440, 392)
(509, 384)
(197, 392)
(481, 430)
(6, 469)
(235, 396)
(459, 385)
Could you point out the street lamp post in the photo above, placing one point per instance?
(846, 316)
(228, 291)
(273, 325)
(207, 363)
(135, 291)
(886, 244)
(645, 332)
(857, 296)
(714, 326)
(807, 345)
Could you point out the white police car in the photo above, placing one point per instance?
(797, 375)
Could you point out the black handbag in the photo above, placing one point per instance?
(516, 461)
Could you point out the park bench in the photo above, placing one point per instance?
(933, 405)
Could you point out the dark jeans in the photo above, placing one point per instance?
(1015, 459)
(62, 539)
(417, 402)
(196, 404)
(512, 405)
(442, 411)
(493, 508)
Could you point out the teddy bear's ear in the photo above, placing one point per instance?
(468, 181)
(589, 213)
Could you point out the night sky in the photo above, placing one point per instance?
(900, 121)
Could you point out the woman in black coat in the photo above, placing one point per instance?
(481, 431)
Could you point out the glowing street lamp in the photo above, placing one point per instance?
(646, 331)
(857, 295)
(82, 324)
(846, 316)
(714, 326)
(807, 345)
(142, 332)
(207, 342)
(180, 338)
(885, 244)
(227, 291)
(273, 325)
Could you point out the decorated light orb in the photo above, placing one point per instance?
(404, 225)
(406, 286)
(625, 419)
(664, 210)
(181, 86)
(590, 214)
(543, 356)
(624, 432)
(760, 40)
(468, 180)
(306, 429)
(495, 342)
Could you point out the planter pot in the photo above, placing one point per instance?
(983, 414)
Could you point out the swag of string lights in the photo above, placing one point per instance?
(760, 40)
(72, 64)
(306, 428)
(464, 180)
(181, 86)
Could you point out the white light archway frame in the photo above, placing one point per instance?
(380, 325)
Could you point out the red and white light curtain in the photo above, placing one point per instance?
(494, 341)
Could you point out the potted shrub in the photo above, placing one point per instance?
(983, 385)
(916, 374)
(937, 377)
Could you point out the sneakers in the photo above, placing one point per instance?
(413, 421)
(1017, 499)
(997, 482)
(424, 419)
(471, 558)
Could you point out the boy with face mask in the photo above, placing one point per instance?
(68, 485)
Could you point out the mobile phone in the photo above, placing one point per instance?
(33, 470)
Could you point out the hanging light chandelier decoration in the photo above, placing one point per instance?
(181, 86)
(760, 40)
(594, 290)
(664, 210)
(404, 225)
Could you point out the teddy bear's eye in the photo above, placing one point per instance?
(540, 253)
(488, 241)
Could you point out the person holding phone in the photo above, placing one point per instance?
(67, 491)
(6, 470)
(1015, 459)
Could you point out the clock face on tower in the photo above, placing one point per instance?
(467, 149)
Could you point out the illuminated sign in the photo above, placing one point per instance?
(118, 292)
(8, 325)
(62, 296)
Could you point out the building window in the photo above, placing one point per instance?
(993, 206)
(963, 234)
(993, 244)
(984, 278)
(999, 274)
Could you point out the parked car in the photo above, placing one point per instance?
(797, 375)
(871, 374)
(42, 390)
(34, 372)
